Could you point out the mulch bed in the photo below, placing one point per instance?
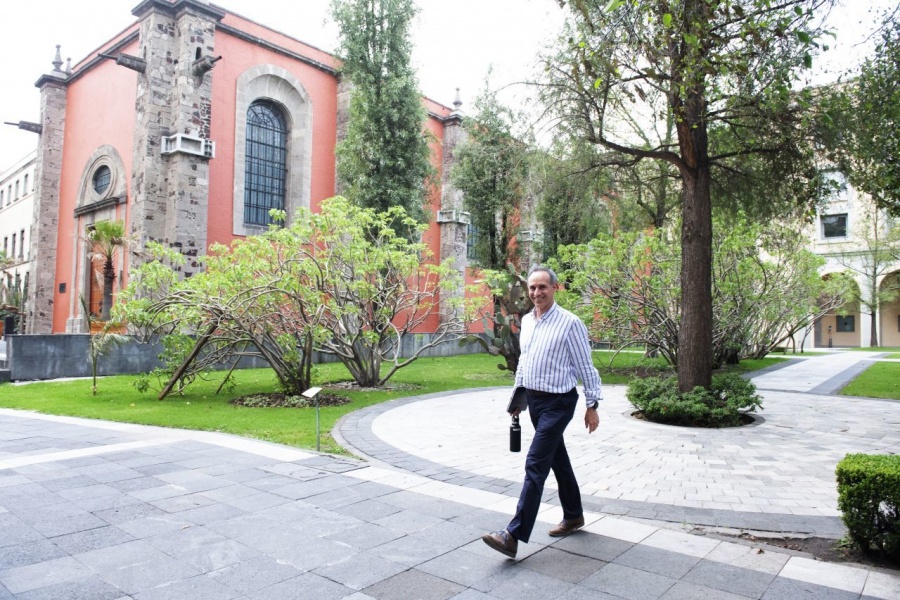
(327, 397)
(824, 549)
(280, 400)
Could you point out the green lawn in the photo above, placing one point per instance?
(881, 380)
(878, 349)
(200, 408)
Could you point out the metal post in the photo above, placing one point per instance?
(313, 393)
(829, 336)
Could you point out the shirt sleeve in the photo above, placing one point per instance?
(580, 351)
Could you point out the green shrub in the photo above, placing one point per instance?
(869, 498)
(723, 405)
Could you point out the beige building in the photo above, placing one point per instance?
(856, 238)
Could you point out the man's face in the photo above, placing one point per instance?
(540, 290)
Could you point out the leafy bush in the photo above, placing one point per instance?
(869, 498)
(723, 405)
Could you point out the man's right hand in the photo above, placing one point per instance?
(515, 412)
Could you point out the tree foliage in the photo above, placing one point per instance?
(862, 124)
(575, 202)
(104, 238)
(342, 282)
(766, 290)
(384, 160)
(708, 64)
(490, 170)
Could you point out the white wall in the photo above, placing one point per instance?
(16, 214)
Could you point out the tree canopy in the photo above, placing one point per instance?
(862, 124)
(708, 64)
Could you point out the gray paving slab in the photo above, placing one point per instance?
(426, 586)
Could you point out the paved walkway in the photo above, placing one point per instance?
(97, 510)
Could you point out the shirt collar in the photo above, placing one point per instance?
(549, 312)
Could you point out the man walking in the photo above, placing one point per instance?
(556, 352)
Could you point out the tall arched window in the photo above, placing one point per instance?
(265, 162)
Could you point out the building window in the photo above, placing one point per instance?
(846, 324)
(265, 163)
(101, 179)
(22, 244)
(834, 226)
(1, 197)
(471, 234)
(25, 184)
(17, 189)
(13, 253)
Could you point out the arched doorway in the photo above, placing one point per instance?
(839, 328)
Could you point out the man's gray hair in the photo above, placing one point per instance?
(540, 268)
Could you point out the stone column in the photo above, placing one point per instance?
(451, 218)
(344, 91)
(530, 229)
(45, 224)
(174, 96)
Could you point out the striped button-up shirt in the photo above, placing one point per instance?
(556, 353)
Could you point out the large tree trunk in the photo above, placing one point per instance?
(695, 333)
(873, 340)
(688, 101)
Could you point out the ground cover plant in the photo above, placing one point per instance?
(878, 381)
(199, 407)
(724, 404)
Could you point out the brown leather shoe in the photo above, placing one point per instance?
(502, 542)
(567, 526)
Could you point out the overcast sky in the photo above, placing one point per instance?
(456, 42)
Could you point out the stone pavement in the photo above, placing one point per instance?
(776, 475)
(98, 510)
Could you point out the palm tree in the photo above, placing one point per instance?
(105, 237)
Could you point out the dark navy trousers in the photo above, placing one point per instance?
(550, 415)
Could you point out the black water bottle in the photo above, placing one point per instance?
(515, 435)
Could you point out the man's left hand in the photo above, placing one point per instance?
(591, 419)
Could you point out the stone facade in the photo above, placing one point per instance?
(48, 168)
(171, 196)
(133, 116)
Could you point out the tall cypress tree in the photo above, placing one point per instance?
(384, 160)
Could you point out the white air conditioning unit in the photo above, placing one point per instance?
(451, 215)
(530, 235)
(188, 144)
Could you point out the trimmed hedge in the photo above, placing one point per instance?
(723, 405)
(869, 498)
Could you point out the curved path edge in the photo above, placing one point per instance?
(355, 433)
